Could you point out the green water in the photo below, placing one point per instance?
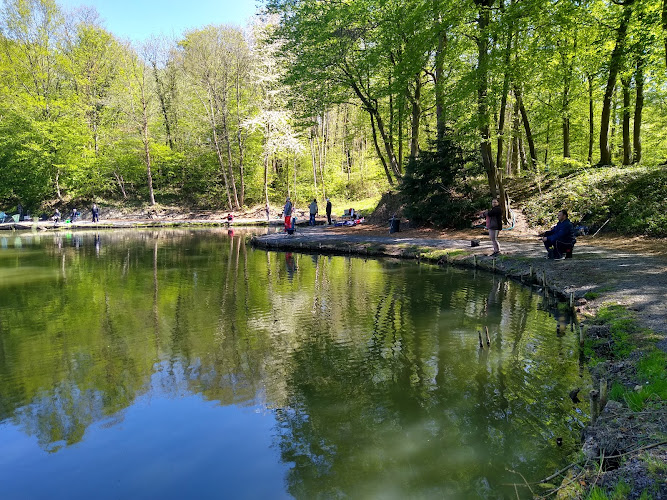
(186, 364)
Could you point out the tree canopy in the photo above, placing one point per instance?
(324, 98)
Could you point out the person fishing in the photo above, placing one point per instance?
(287, 213)
(494, 223)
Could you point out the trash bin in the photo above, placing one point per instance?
(394, 225)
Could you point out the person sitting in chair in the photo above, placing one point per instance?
(559, 240)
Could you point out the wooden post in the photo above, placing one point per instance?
(571, 299)
(581, 335)
(595, 405)
(603, 393)
(530, 274)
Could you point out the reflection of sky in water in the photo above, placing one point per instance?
(174, 363)
(160, 447)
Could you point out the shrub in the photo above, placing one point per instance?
(435, 186)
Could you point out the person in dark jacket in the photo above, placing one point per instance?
(328, 211)
(560, 238)
(494, 223)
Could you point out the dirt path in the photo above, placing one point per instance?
(629, 272)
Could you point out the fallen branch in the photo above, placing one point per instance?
(647, 447)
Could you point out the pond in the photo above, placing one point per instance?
(185, 363)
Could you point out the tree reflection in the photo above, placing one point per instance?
(372, 368)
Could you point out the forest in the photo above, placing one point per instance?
(329, 98)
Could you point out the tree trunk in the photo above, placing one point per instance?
(315, 169)
(522, 165)
(240, 141)
(121, 183)
(266, 179)
(565, 109)
(57, 182)
(416, 115)
(664, 26)
(614, 66)
(221, 163)
(612, 135)
(503, 101)
(146, 141)
(591, 126)
(548, 137)
(379, 153)
(400, 128)
(639, 107)
(230, 159)
(371, 106)
(323, 151)
(526, 126)
(313, 157)
(483, 117)
(440, 80)
(516, 131)
(627, 153)
(161, 94)
(566, 120)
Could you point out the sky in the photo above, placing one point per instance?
(137, 20)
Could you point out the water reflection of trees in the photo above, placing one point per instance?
(352, 410)
(371, 367)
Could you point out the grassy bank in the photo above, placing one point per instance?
(623, 455)
(627, 200)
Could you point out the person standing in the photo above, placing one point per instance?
(328, 211)
(494, 223)
(96, 213)
(313, 212)
(287, 213)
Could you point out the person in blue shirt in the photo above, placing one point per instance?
(560, 238)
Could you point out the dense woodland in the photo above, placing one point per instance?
(325, 98)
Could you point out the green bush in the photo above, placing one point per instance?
(631, 198)
(436, 188)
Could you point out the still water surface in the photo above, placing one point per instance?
(184, 364)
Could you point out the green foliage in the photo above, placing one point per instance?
(435, 188)
(620, 492)
(622, 327)
(625, 338)
(593, 195)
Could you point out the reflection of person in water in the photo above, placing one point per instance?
(291, 265)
